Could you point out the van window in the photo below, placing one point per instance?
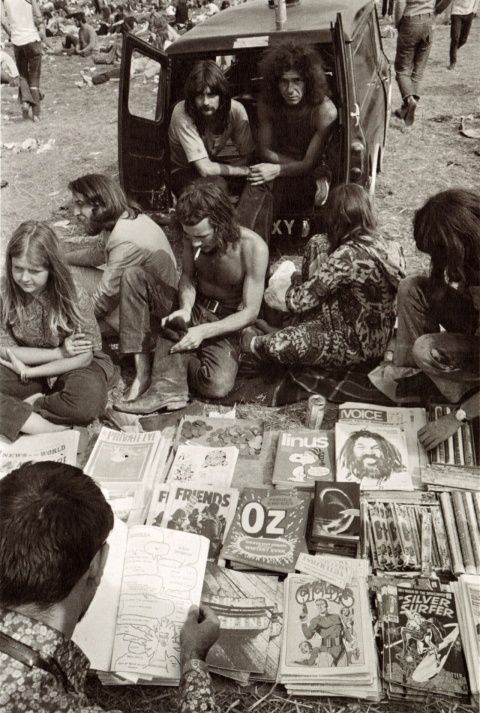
(364, 64)
(146, 87)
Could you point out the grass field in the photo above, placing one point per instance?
(420, 161)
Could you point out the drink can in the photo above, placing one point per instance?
(315, 411)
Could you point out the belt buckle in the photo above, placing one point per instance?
(213, 305)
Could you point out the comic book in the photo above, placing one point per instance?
(303, 458)
(375, 456)
(268, 530)
(245, 604)
(422, 649)
(203, 509)
(202, 464)
(151, 578)
(245, 434)
(335, 516)
(467, 598)
(328, 642)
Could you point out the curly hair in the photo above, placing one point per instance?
(292, 57)
(204, 198)
(206, 74)
(447, 228)
(107, 198)
(39, 244)
(393, 458)
(349, 213)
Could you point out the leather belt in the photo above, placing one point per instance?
(214, 306)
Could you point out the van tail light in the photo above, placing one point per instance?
(357, 161)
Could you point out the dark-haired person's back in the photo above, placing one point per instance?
(54, 522)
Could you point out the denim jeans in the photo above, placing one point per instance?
(146, 296)
(29, 64)
(459, 31)
(415, 35)
(209, 371)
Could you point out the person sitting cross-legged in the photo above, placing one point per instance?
(220, 292)
(341, 310)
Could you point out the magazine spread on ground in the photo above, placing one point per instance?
(303, 458)
(126, 465)
(205, 465)
(59, 446)
(422, 646)
(268, 530)
(203, 509)
(216, 432)
(373, 455)
(411, 420)
(245, 605)
(152, 577)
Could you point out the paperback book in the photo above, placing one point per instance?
(303, 458)
(203, 509)
(335, 518)
(268, 530)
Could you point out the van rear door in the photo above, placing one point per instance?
(143, 124)
(344, 100)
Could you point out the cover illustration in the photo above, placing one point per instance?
(423, 646)
(268, 530)
(303, 457)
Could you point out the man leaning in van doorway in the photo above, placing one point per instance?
(202, 130)
(295, 118)
(414, 20)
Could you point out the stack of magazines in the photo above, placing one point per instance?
(328, 644)
(467, 598)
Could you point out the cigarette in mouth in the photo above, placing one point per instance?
(197, 253)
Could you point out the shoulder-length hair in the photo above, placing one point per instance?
(204, 198)
(447, 228)
(206, 74)
(39, 244)
(107, 198)
(289, 57)
(349, 214)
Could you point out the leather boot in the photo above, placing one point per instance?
(168, 388)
